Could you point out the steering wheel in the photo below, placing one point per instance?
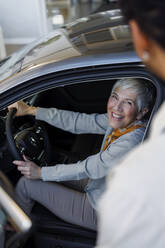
(33, 141)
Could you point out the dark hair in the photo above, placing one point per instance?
(149, 15)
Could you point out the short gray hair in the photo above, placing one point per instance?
(143, 89)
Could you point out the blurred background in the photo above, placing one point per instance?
(23, 21)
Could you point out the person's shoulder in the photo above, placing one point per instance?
(137, 134)
(139, 130)
(134, 137)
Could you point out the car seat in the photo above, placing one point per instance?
(52, 232)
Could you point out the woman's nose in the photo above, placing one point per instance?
(118, 106)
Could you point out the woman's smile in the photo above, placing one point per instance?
(122, 108)
(116, 116)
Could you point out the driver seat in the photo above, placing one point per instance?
(52, 232)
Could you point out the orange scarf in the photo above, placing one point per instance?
(117, 133)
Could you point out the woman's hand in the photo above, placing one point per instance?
(28, 168)
(23, 108)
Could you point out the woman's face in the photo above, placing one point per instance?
(122, 108)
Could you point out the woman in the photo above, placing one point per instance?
(132, 210)
(123, 128)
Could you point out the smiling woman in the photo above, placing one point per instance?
(122, 108)
(129, 102)
(123, 128)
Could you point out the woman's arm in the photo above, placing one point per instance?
(74, 122)
(95, 166)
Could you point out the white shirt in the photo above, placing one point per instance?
(132, 210)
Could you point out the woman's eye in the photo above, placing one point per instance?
(114, 96)
(129, 103)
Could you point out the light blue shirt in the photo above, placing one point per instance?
(94, 167)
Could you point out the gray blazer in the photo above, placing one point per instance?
(94, 167)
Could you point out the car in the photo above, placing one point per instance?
(72, 68)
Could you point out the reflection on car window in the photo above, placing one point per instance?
(102, 35)
(121, 32)
(50, 49)
(93, 22)
(43, 45)
(104, 30)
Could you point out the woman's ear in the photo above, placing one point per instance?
(142, 113)
(148, 50)
(141, 42)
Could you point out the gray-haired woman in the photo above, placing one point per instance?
(123, 129)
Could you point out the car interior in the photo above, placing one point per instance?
(53, 146)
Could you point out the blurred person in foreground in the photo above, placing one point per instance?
(132, 209)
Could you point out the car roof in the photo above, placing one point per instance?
(99, 39)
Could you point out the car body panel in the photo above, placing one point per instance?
(100, 39)
(41, 69)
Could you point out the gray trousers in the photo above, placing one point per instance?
(63, 200)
